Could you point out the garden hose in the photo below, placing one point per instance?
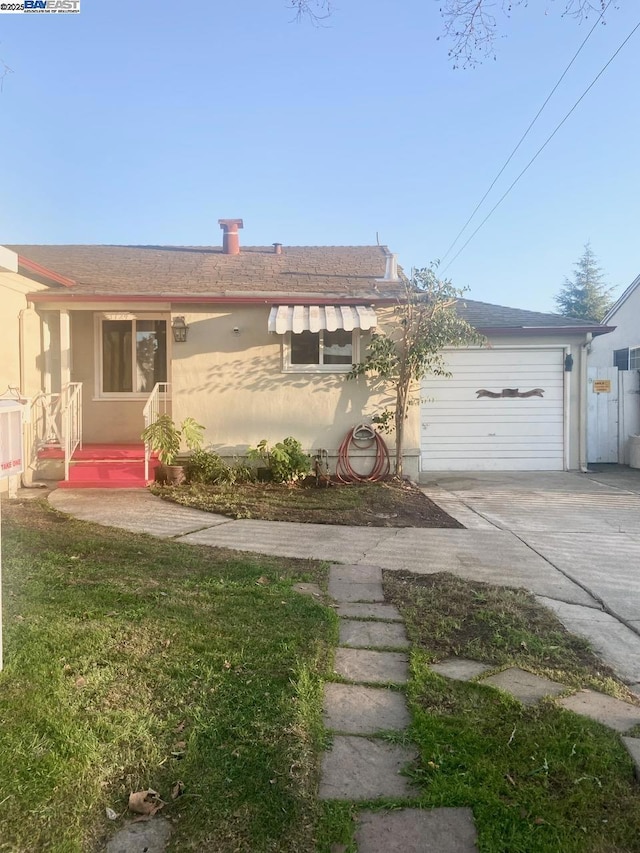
(362, 437)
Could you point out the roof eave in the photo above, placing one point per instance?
(184, 299)
(529, 331)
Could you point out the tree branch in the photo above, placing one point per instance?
(472, 27)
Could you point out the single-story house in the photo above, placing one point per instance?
(614, 384)
(256, 342)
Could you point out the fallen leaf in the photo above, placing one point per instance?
(145, 802)
(226, 665)
(111, 814)
(80, 682)
(510, 779)
(177, 790)
(180, 726)
(181, 744)
(167, 643)
(19, 618)
(262, 580)
(539, 821)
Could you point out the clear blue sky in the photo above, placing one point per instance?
(146, 122)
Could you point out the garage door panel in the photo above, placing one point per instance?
(472, 431)
(460, 430)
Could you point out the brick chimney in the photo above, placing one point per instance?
(230, 238)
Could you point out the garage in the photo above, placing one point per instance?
(502, 409)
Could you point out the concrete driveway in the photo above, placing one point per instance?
(586, 526)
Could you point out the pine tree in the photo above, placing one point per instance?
(586, 297)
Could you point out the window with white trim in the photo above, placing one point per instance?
(132, 354)
(627, 358)
(322, 352)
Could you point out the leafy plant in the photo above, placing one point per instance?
(209, 468)
(286, 460)
(165, 438)
(424, 322)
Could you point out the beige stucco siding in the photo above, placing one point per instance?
(21, 353)
(234, 384)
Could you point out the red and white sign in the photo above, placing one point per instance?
(11, 447)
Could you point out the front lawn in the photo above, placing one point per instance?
(385, 504)
(132, 662)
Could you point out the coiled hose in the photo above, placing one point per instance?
(362, 437)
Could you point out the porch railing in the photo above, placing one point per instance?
(56, 421)
(71, 421)
(156, 405)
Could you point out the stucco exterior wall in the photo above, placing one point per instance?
(21, 357)
(234, 384)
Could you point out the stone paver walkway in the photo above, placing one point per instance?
(360, 766)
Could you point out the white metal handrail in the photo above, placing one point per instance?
(156, 405)
(71, 418)
(56, 421)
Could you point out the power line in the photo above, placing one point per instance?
(544, 145)
(526, 133)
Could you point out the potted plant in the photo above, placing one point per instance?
(165, 439)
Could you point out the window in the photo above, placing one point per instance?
(330, 352)
(627, 358)
(133, 355)
(621, 358)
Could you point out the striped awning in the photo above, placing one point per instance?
(313, 318)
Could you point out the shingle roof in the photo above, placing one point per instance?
(341, 271)
(324, 272)
(483, 315)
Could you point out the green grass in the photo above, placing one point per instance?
(539, 780)
(131, 663)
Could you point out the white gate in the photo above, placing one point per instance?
(602, 431)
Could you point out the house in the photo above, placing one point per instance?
(614, 386)
(22, 347)
(256, 342)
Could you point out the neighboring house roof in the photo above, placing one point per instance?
(617, 305)
(495, 318)
(343, 272)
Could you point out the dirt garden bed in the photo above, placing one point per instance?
(386, 504)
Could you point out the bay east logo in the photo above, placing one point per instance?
(52, 6)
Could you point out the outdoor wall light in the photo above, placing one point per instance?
(179, 329)
(568, 363)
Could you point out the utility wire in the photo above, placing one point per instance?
(544, 145)
(526, 133)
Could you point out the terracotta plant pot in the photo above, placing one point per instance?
(170, 475)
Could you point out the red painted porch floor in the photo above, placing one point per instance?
(104, 466)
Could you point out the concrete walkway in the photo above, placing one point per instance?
(573, 540)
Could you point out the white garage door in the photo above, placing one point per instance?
(501, 410)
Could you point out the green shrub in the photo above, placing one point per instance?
(209, 468)
(286, 460)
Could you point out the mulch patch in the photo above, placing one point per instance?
(385, 504)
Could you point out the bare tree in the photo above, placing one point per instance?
(312, 10)
(473, 26)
